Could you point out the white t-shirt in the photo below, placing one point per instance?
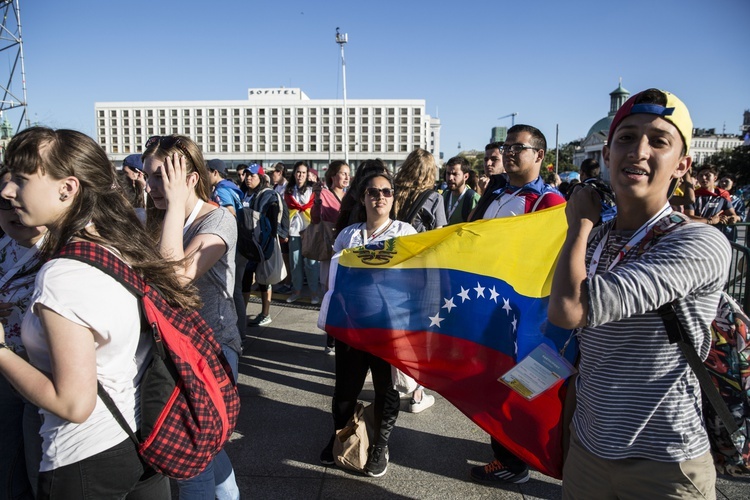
(352, 236)
(88, 297)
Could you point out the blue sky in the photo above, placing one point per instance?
(472, 61)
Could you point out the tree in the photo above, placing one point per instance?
(566, 157)
(733, 161)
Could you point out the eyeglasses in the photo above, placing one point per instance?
(166, 141)
(376, 192)
(517, 148)
(5, 204)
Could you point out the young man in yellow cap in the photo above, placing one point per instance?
(637, 431)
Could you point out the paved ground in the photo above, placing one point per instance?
(286, 384)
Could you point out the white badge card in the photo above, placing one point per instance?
(537, 372)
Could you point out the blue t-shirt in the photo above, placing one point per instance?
(227, 194)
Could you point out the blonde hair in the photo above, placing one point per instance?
(416, 175)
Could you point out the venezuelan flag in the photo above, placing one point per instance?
(455, 308)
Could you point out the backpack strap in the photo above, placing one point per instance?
(677, 335)
(466, 204)
(102, 259)
(417, 206)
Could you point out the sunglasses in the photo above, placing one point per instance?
(167, 142)
(376, 192)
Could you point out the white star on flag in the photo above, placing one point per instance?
(436, 320)
(448, 304)
(494, 295)
(506, 306)
(464, 295)
(514, 323)
(480, 290)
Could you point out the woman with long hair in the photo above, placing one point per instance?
(416, 198)
(418, 203)
(376, 198)
(325, 210)
(79, 328)
(299, 198)
(199, 239)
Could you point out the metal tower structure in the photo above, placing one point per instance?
(13, 88)
(341, 39)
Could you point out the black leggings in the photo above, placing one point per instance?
(351, 370)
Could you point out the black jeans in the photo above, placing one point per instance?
(116, 473)
(351, 370)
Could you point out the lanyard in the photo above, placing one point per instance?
(191, 218)
(377, 232)
(29, 254)
(452, 206)
(633, 241)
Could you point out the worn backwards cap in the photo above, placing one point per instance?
(254, 168)
(675, 112)
(134, 162)
(218, 165)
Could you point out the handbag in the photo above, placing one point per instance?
(317, 241)
(352, 442)
(271, 270)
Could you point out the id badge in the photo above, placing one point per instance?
(537, 372)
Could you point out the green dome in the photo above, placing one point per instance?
(601, 126)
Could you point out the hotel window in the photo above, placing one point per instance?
(313, 148)
(300, 120)
(198, 112)
(338, 120)
(376, 148)
(313, 111)
(351, 120)
(249, 120)
(300, 148)
(224, 112)
(287, 130)
(391, 111)
(224, 120)
(101, 113)
(403, 138)
(390, 148)
(404, 120)
(365, 130)
(287, 111)
(339, 111)
(403, 130)
(417, 111)
(287, 139)
(404, 111)
(390, 130)
(162, 112)
(274, 111)
(364, 111)
(223, 130)
(113, 113)
(326, 111)
(224, 148)
(313, 138)
(236, 112)
(378, 111)
(211, 112)
(236, 121)
(236, 148)
(403, 148)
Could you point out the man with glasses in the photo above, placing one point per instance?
(520, 191)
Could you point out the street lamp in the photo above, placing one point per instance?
(341, 39)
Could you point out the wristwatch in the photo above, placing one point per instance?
(10, 347)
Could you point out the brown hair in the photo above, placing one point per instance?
(68, 153)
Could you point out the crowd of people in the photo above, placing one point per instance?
(171, 215)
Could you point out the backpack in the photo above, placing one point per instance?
(417, 211)
(189, 402)
(724, 376)
(255, 234)
(728, 364)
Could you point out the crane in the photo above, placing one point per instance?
(512, 118)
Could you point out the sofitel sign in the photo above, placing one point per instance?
(272, 92)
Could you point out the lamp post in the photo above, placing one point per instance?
(341, 39)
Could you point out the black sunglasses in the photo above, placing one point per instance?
(376, 192)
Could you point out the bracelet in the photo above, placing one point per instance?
(11, 348)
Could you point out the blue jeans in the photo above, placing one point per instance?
(296, 264)
(217, 479)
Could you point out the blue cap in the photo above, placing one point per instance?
(134, 162)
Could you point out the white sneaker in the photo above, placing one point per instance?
(420, 406)
(293, 297)
(315, 300)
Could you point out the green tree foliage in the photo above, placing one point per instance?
(566, 157)
(734, 161)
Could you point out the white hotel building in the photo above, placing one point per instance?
(272, 125)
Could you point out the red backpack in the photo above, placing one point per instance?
(189, 401)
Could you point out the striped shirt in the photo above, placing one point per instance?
(636, 395)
